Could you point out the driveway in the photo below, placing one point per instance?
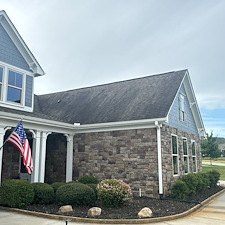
(212, 213)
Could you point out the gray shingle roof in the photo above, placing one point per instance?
(142, 98)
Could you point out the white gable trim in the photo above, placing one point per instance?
(193, 103)
(20, 44)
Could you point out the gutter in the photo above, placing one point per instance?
(158, 127)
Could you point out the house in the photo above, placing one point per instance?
(146, 131)
(221, 145)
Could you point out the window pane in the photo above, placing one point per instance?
(174, 144)
(175, 165)
(14, 95)
(193, 148)
(194, 164)
(15, 79)
(185, 146)
(1, 73)
(186, 164)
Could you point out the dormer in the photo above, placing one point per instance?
(18, 68)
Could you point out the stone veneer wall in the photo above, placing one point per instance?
(10, 162)
(168, 177)
(131, 155)
(55, 166)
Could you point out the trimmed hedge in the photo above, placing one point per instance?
(88, 180)
(75, 194)
(16, 193)
(44, 193)
(56, 185)
(191, 184)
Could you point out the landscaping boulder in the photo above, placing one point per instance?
(145, 212)
(94, 211)
(65, 209)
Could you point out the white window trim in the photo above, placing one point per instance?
(177, 155)
(3, 100)
(182, 99)
(194, 157)
(185, 156)
(22, 103)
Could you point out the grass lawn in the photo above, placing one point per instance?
(217, 160)
(220, 169)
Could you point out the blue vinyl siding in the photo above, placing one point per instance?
(29, 91)
(9, 52)
(174, 115)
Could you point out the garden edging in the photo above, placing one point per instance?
(114, 221)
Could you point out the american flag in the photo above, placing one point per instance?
(19, 139)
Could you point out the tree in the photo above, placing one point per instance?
(210, 147)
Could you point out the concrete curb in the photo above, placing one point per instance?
(114, 221)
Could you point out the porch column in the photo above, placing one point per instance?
(69, 158)
(36, 156)
(2, 133)
(44, 136)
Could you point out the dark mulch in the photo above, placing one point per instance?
(159, 207)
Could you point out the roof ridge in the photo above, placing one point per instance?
(116, 82)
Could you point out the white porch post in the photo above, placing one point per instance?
(36, 156)
(2, 133)
(69, 158)
(44, 136)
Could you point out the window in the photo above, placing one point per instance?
(185, 152)
(1, 75)
(193, 156)
(175, 154)
(182, 108)
(15, 81)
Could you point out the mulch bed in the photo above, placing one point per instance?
(159, 207)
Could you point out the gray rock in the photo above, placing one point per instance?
(145, 212)
(94, 211)
(65, 209)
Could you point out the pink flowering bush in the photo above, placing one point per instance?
(113, 193)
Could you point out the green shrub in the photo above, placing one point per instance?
(75, 194)
(56, 185)
(179, 190)
(16, 193)
(113, 193)
(44, 193)
(214, 177)
(94, 187)
(191, 182)
(203, 181)
(88, 180)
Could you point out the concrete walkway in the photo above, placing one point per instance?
(212, 213)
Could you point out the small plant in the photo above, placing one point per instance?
(113, 193)
(44, 193)
(88, 180)
(16, 193)
(179, 190)
(75, 194)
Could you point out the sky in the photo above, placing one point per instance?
(82, 43)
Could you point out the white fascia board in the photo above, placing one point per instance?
(20, 44)
(123, 125)
(11, 119)
(193, 104)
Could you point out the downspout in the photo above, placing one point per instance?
(158, 127)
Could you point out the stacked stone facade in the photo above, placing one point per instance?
(131, 155)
